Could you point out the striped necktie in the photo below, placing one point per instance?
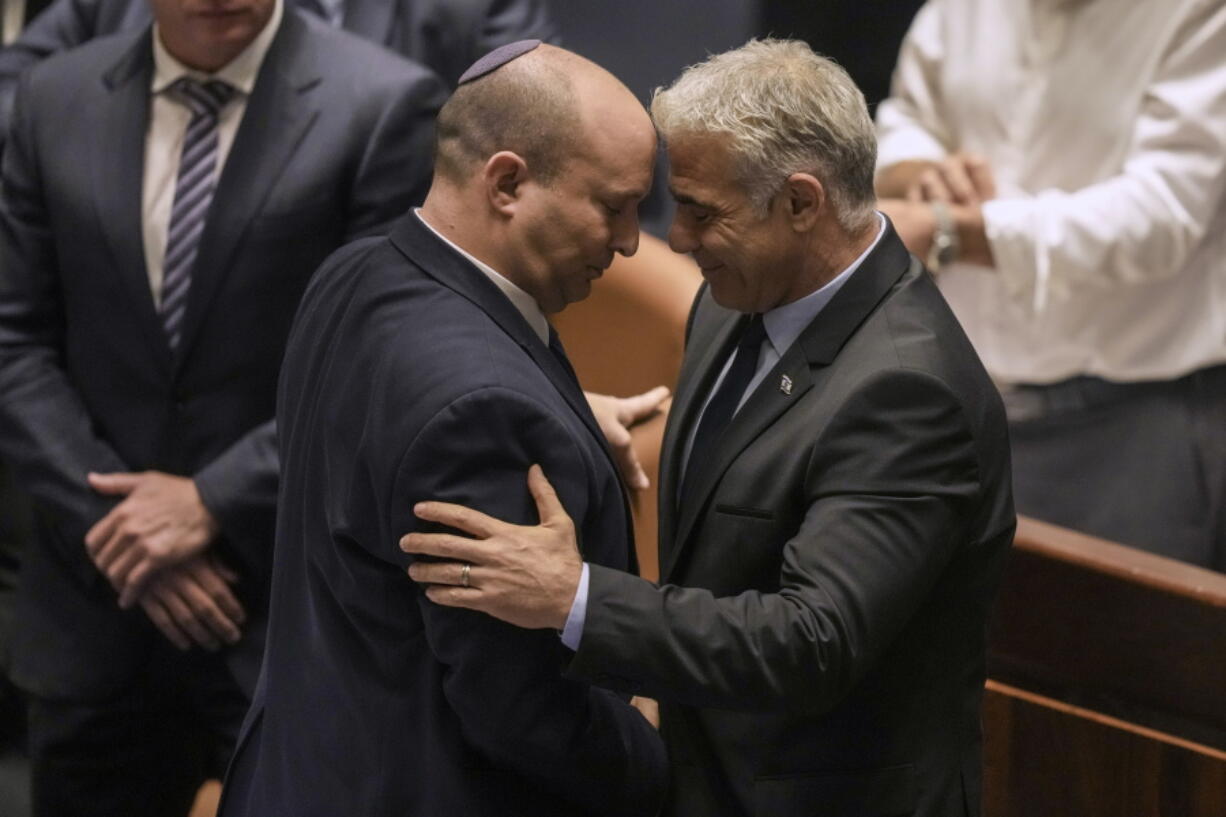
(193, 195)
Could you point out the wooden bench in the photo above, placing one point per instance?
(1107, 695)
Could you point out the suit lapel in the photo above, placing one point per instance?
(441, 262)
(118, 174)
(816, 348)
(279, 114)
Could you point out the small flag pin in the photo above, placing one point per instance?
(785, 385)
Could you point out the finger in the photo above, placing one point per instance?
(458, 517)
(548, 506)
(117, 573)
(227, 573)
(119, 543)
(102, 530)
(451, 596)
(135, 583)
(934, 187)
(207, 611)
(113, 484)
(444, 546)
(980, 173)
(214, 582)
(628, 462)
(954, 175)
(641, 406)
(186, 619)
(445, 573)
(161, 619)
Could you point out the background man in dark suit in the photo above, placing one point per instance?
(422, 365)
(835, 501)
(158, 228)
(444, 35)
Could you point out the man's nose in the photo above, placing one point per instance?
(626, 233)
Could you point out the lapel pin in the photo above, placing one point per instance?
(785, 385)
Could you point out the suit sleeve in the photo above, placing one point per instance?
(583, 743)
(888, 487)
(46, 432)
(63, 25)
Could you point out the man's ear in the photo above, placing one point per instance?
(504, 175)
(805, 199)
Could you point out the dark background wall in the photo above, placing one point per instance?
(861, 36)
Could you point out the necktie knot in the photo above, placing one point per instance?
(203, 98)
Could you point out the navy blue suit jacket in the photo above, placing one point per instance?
(335, 142)
(410, 376)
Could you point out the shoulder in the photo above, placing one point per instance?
(92, 64)
(428, 343)
(351, 63)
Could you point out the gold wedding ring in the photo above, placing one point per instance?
(464, 571)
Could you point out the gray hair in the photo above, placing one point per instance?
(787, 110)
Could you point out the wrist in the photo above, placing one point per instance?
(946, 245)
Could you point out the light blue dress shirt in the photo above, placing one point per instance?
(783, 326)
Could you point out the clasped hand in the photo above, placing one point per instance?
(160, 522)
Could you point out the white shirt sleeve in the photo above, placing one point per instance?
(911, 124)
(1142, 224)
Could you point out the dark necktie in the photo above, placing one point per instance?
(555, 346)
(724, 402)
(193, 195)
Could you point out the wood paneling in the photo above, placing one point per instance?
(1044, 758)
(1115, 629)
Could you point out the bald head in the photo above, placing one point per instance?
(536, 106)
(541, 163)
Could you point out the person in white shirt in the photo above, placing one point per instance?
(1062, 166)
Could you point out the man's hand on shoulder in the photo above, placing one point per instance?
(160, 522)
(524, 575)
(616, 416)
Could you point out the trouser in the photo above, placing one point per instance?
(143, 752)
(1143, 464)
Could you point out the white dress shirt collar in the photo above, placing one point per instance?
(522, 301)
(240, 73)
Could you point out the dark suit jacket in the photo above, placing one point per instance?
(818, 643)
(446, 36)
(409, 376)
(335, 142)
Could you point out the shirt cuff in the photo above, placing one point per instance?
(1014, 231)
(572, 633)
